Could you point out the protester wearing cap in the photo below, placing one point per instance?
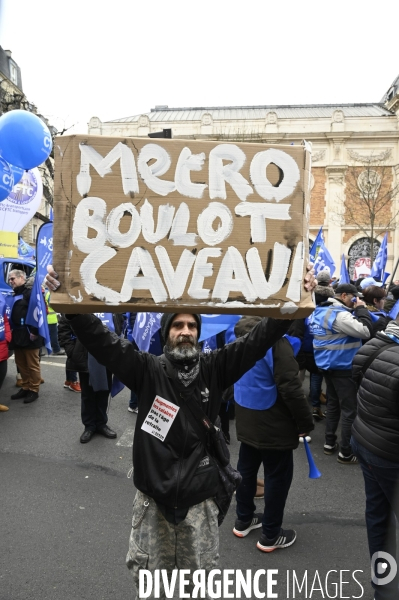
(368, 281)
(339, 325)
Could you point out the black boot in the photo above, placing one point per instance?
(31, 397)
(20, 394)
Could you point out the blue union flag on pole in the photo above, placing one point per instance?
(320, 256)
(380, 261)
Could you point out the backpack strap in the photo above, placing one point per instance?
(371, 358)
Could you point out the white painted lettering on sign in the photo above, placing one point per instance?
(204, 227)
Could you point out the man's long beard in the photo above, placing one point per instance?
(183, 352)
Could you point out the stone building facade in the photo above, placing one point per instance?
(346, 139)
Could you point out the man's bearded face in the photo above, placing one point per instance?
(182, 339)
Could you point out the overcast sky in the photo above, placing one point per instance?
(84, 58)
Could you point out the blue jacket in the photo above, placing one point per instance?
(332, 350)
(257, 388)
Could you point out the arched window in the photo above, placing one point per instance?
(359, 257)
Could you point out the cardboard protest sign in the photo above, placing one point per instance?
(181, 225)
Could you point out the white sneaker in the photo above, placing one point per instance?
(307, 438)
(133, 410)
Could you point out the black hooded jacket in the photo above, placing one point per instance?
(376, 426)
(173, 471)
(75, 351)
(278, 427)
(21, 331)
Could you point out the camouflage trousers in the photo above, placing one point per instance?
(157, 544)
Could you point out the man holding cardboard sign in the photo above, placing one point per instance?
(182, 227)
(175, 519)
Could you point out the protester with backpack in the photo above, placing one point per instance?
(375, 441)
(271, 413)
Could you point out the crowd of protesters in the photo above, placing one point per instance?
(349, 346)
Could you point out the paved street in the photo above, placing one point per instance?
(66, 508)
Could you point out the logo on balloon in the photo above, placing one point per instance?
(25, 190)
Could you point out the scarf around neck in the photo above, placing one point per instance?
(186, 371)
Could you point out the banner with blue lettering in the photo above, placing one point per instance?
(106, 319)
(37, 313)
(44, 250)
(145, 326)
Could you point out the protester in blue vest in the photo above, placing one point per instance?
(339, 325)
(271, 413)
(305, 357)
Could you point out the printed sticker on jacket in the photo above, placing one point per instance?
(160, 418)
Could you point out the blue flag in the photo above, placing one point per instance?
(209, 345)
(320, 256)
(214, 324)
(384, 279)
(44, 250)
(116, 386)
(24, 250)
(3, 311)
(378, 268)
(108, 321)
(145, 326)
(37, 313)
(51, 216)
(394, 310)
(344, 276)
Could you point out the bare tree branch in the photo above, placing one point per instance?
(369, 196)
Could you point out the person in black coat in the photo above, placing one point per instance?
(271, 413)
(94, 401)
(26, 341)
(375, 441)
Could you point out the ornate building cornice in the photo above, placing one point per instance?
(370, 158)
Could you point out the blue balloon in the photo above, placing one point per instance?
(25, 140)
(6, 179)
(17, 173)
